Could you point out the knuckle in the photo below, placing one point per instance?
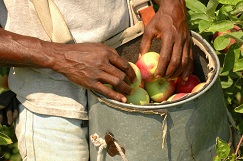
(118, 82)
(122, 76)
(175, 62)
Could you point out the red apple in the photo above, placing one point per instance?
(138, 97)
(186, 86)
(138, 80)
(198, 87)
(232, 41)
(160, 89)
(176, 96)
(147, 64)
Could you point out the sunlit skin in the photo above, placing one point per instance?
(176, 53)
(92, 65)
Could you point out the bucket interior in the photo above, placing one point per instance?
(206, 67)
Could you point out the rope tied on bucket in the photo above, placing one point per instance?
(161, 112)
(98, 142)
(101, 143)
(164, 131)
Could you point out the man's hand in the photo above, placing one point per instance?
(170, 25)
(92, 65)
(8, 108)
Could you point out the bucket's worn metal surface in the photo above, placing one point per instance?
(191, 125)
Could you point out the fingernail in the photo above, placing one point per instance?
(157, 76)
(185, 79)
(124, 99)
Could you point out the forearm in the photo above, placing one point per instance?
(23, 51)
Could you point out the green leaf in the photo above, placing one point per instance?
(198, 17)
(221, 26)
(233, 158)
(238, 36)
(238, 8)
(4, 139)
(221, 42)
(239, 109)
(203, 25)
(216, 158)
(222, 148)
(231, 58)
(211, 7)
(231, 2)
(226, 83)
(224, 12)
(238, 66)
(196, 6)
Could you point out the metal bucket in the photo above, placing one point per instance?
(184, 130)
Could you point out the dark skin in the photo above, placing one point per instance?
(170, 25)
(93, 64)
(86, 64)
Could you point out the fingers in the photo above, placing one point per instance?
(165, 55)
(176, 57)
(188, 62)
(121, 69)
(146, 41)
(118, 84)
(110, 93)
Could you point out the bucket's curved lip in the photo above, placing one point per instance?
(179, 103)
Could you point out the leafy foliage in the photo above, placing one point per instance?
(215, 21)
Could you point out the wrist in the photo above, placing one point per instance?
(53, 54)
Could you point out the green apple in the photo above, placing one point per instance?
(138, 97)
(147, 64)
(160, 89)
(138, 80)
(108, 85)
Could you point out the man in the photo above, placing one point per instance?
(50, 79)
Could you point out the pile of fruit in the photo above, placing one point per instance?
(148, 89)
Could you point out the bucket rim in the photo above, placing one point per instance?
(167, 104)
